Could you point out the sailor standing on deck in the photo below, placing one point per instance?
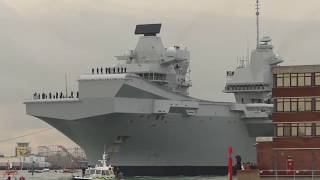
(35, 95)
(238, 162)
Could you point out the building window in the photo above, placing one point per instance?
(317, 104)
(317, 79)
(286, 129)
(307, 79)
(294, 80)
(305, 129)
(283, 129)
(294, 104)
(301, 130)
(279, 80)
(286, 80)
(286, 105)
(308, 129)
(301, 104)
(308, 104)
(279, 129)
(301, 79)
(317, 129)
(297, 129)
(304, 104)
(294, 129)
(280, 105)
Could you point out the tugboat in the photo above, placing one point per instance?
(98, 172)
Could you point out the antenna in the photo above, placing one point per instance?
(247, 50)
(258, 22)
(66, 81)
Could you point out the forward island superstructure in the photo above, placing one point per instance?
(141, 111)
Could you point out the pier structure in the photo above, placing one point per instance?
(62, 157)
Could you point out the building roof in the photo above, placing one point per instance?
(296, 69)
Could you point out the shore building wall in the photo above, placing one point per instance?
(296, 118)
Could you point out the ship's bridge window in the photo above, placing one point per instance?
(256, 101)
(153, 76)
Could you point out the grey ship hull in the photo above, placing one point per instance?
(171, 141)
(164, 144)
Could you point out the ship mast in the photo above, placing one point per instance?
(258, 22)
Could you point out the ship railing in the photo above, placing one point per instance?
(55, 96)
(292, 174)
(230, 73)
(108, 70)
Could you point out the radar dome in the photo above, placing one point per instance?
(171, 51)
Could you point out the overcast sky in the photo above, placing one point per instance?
(41, 40)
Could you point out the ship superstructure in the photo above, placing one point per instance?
(140, 110)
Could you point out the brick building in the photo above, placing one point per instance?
(296, 118)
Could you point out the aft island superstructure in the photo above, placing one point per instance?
(141, 112)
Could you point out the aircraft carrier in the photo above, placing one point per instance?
(140, 110)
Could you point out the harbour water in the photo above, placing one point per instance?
(52, 175)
